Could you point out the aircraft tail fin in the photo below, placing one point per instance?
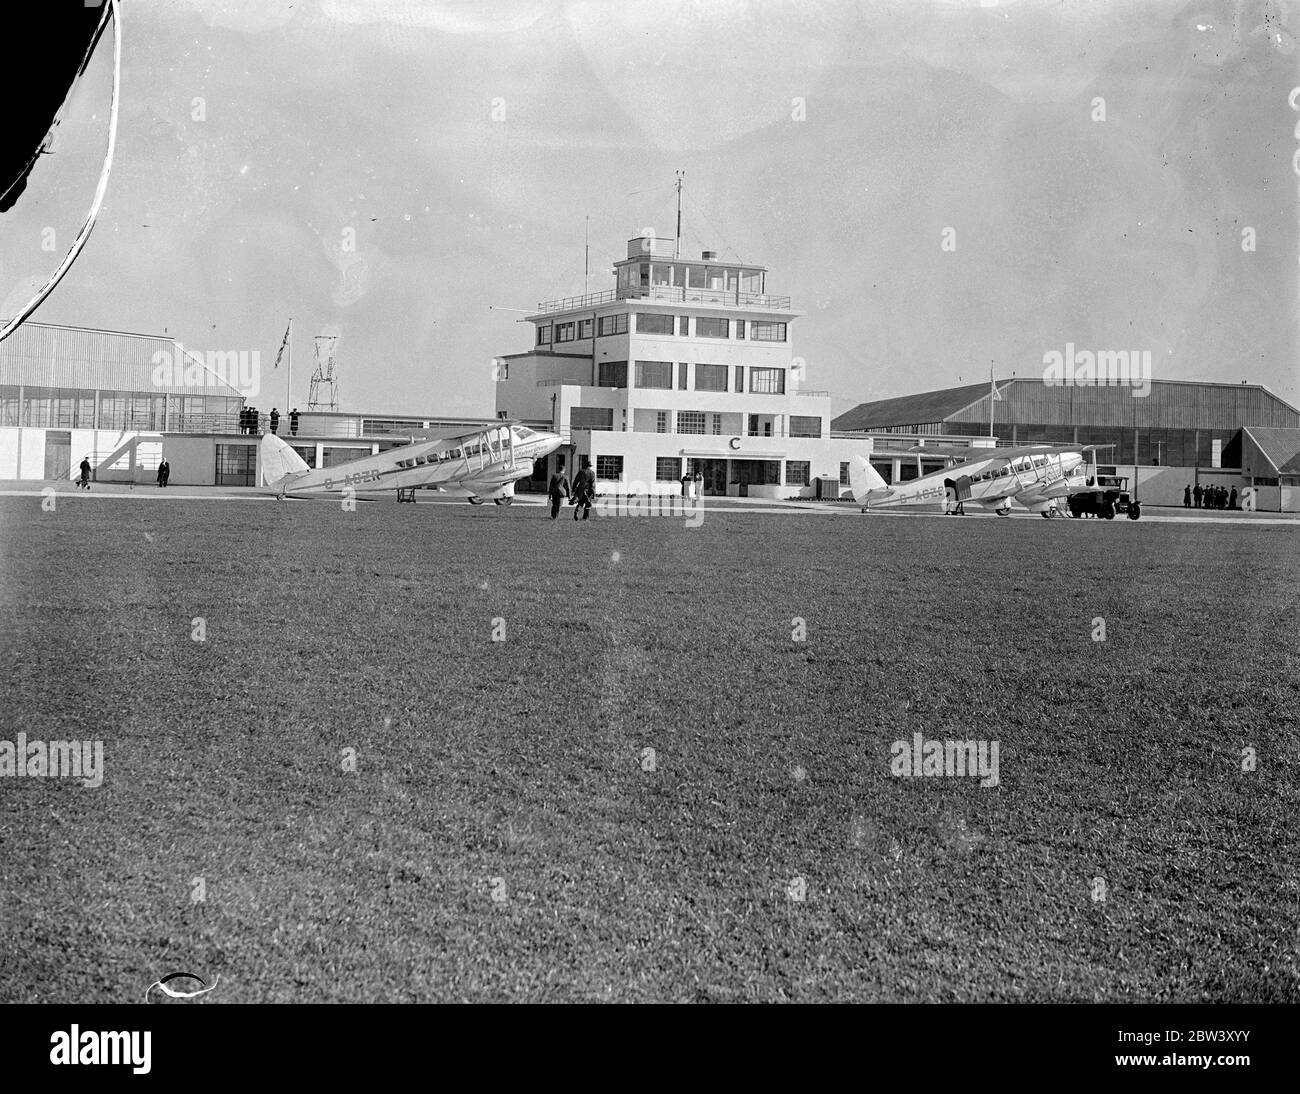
(279, 460)
(863, 478)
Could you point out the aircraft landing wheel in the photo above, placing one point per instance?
(503, 501)
(475, 501)
(1003, 512)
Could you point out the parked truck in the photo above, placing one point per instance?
(1109, 496)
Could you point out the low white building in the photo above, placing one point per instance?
(685, 366)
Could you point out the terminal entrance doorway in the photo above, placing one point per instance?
(747, 473)
(715, 476)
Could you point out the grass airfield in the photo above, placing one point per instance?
(504, 834)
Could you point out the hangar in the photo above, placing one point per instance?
(126, 400)
(1178, 433)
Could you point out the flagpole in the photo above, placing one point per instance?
(288, 391)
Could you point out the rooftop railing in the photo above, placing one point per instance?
(669, 294)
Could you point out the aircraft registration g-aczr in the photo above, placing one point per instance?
(480, 465)
(1036, 476)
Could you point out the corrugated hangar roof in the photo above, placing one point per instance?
(929, 406)
(1281, 447)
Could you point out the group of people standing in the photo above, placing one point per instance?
(580, 494)
(250, 419)
(1209, 497)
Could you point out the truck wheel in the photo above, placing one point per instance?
(1134, 511)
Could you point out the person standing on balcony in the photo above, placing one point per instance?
(293, 422)
(275, 420)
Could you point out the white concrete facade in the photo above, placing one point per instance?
(686, 364)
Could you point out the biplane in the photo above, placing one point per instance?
(1037, 477)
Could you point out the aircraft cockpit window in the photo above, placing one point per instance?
(523, 433)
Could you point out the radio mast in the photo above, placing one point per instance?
(324, 375)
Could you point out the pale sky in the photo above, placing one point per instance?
(463, 144)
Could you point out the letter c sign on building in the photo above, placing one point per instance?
(735, 444)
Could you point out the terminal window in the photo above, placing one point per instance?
(710, 377)
(711, 328)
(683, 325)
(591, 417)
(585, 327)
(612, 374)
(690, 421)
(797, 472)
(544, 334)
(564, 332)
(767, 332)
(655, 374)
(236, 465)
(653, 323)
(668, 469)
(805, 426)
(844, 474)
(767, 381)
(661, 421)
(612, 324)
(609, 468)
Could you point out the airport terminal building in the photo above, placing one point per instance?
(685, 366)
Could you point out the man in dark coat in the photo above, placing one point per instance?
(1187, 496)
(1197, 495)
(584, 488)
(84, 481)
(275, 420)
(558, 489)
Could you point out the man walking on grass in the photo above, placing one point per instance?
(584, 488)
(558, 489)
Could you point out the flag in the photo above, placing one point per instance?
(994, 387)
(284, 342)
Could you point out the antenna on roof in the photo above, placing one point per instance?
(677, 248)
(586, 255)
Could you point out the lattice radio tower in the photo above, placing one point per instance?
(324, 375)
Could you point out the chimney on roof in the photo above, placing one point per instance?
(709, 256)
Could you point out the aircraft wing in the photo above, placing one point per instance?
(971, 453)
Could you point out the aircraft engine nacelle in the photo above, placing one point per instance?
(1046, 507)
